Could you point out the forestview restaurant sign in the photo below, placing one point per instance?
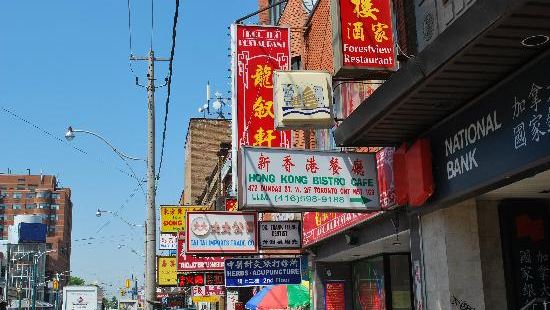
(506, 132)
(292, 180)
(363, 35)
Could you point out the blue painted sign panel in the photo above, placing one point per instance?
(506, 132)
(262, 271)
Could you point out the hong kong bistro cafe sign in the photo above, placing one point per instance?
(293, 180)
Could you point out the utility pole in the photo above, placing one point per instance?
(150, 226)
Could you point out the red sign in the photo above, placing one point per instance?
(231, 204)
(208, 290)
(334, 295)
(196, 263)
(386, 184)
(367, 34)
(257, 52)
(215, 278)
(190, 279)
(321, 225)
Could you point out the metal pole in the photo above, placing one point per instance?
(150, 229)
(19, 290)
(34, 272)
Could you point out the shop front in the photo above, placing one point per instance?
(360, 261)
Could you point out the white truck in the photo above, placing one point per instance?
(81, 298)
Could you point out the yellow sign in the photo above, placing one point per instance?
(167, 271)
(213, 298)
(172, 218)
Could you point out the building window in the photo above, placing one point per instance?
(51, 229)
(17, 195)
(53, 217)
(16, 206)
(276, 12)
(43, 194)
(30, 195)
(30, 206)
(54, 207)
(55, 195)
(2, 206)
(43, 206)
(20, 187)
(32, 187)
(296, 63)
(49, 246)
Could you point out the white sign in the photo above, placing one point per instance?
(302, 99)
(208, 290)
(168, 242)
(221, 232)
(280, 235)
(294, 180)
(232, 297)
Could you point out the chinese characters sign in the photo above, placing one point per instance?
(166, 271)
(505, 132)
(208, 290)
(190, 279)
(302, 99)
(262, 271)
(321, 225)
(334, 295)
(195, 263)
(231, 204)
(280, 235)
(293, 180)
(172, 218)
(168, 241)
(221, 232)
(364, 30)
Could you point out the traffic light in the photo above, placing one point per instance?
(55, 285)
(122, 292)
(128, 283)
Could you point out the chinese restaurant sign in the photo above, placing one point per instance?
(506, 132)
(302, 99)
(221, 232)
(364, 36)
(196, 263)
(318, 226)
(256, 52)
(166, 271)
(280, 235)
(168, 241)
(262, 271)
(292, 180)
(172, 218)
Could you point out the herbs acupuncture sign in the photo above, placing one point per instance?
(292, 180)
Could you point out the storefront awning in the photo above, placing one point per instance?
(476, 52)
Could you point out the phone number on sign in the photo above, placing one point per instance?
(307, 198)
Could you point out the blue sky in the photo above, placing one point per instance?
(66, 63)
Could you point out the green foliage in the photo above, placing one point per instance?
(114, 303)
(73, 280)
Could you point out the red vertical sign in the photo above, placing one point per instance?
(257, 52)
(334, 295)
(367, 34)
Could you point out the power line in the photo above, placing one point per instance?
(169, 84)
(57, 138)
(122, 206)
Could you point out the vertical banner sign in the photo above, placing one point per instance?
(334, 295)
(166, 271)
(366, 35)
(256, 52)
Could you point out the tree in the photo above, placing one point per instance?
(114, 303)
(73, 280)
(104, 303)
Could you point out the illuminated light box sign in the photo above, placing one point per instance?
(302, 99)
(214, 232)
(262, 271)
(190, 279)
(280, 235)
(293, 180)
(363, 37)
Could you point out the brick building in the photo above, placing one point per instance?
(201, 147)
(40, 194)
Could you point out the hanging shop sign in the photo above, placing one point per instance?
(386, 177)
(166, 271)
(192, 263)
(489, 144)
(348, 95)
(168, 241)
(280, 235)
(212, 232)
(335, 295)
(363, 37)
(302, 99)
(205, 299)
(294, 180)
(262, 271)
(208, 290)
(231, 204)
(318, 226)
(257, 51)
(214, 278)
(190, 279)
(172, 218)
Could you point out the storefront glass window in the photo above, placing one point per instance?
(400, 282)
(368, 284)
